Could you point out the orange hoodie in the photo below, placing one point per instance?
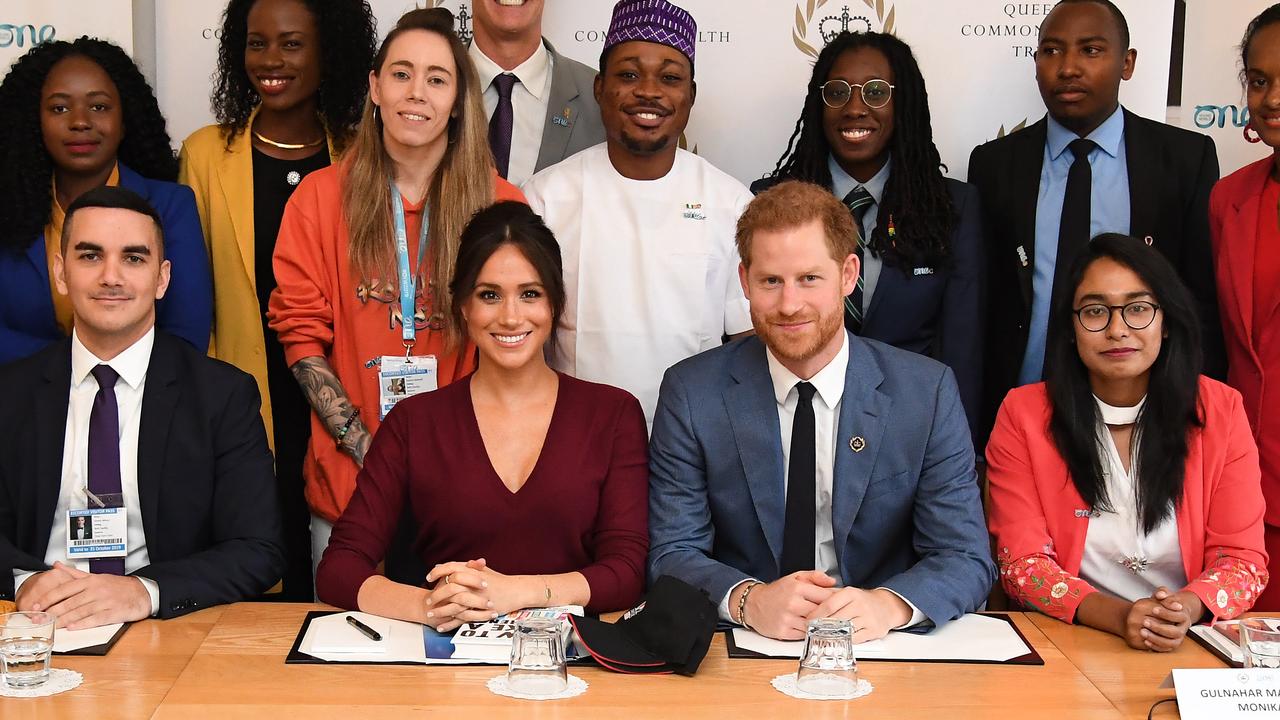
(319, 310)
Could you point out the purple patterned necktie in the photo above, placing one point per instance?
(104, 453)
(502, 122)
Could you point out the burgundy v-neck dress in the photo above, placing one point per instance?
(583, 508)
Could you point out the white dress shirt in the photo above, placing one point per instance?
(829, 384)
(1115, 535)
(131, 365)
(529, 100)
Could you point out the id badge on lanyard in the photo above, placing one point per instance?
(403, 377)
(99, 531)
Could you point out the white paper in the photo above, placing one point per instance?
(1222, 693)
(972, 637)
(1216, 639)
(332, 638)
(72, 640)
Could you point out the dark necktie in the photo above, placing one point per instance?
(104, 453)
(798, 535)
(1073, 232)
(502, 122)
(859, 201)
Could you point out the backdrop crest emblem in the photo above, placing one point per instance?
(462, 18)
(812, 24)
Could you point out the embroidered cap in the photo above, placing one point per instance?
(655, 21)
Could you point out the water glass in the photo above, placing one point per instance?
(1260, 642)
(827, 666)
(26, 642)
(537, 658)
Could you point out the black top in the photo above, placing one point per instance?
(273, 184)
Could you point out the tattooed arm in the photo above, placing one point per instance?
(329, 400)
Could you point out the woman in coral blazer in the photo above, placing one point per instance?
(1125, 489)
(1245, 230)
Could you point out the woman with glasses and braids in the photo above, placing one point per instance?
(865, 134)
(1125, 489)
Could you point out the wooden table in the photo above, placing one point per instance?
(229, 663)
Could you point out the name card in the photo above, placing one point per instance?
(1221, 694)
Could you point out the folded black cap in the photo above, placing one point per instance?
(669, 632)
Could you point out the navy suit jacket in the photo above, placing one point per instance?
(206, 481)
(937, 311)
(906, 510)
(27, 322)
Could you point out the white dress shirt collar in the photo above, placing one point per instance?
(829, 381)
(532, 73)
(131, 364)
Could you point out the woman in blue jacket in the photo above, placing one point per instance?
(75, 116)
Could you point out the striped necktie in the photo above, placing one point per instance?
(859, 201)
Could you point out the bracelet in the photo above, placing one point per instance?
(742, 604)
(342, 432)
(546, 586)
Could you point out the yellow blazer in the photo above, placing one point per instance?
(222, 179)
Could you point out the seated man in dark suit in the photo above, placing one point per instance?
(1089, 167)
(805, 472)
(163, 446)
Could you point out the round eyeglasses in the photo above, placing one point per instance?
(875, 93)
(1138, 315)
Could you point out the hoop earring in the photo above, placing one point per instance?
(1255, 138)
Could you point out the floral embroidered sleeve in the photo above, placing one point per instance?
(1229, 587)
(1038, 582)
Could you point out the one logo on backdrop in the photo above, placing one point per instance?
(818, 21)
(24, 36)
(1209, 116)
(462, 19)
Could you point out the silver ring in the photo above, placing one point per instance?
(448, 578)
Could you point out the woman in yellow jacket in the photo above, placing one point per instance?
(291, 82)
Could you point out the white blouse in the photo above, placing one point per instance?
(1115, 545)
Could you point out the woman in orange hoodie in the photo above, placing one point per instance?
(347, 293)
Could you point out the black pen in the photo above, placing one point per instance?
(365, 630)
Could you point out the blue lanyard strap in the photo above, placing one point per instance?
(408, 278)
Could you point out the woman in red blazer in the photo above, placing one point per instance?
(1125, 488)
(1246, 252)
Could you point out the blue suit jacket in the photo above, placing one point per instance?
(906, 509)
(27, 322)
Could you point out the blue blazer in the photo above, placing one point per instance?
(906, 510)
(937, 311)
(27, 322)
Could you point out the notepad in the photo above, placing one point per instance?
(333, 634)
(969, 638)
(65, 641)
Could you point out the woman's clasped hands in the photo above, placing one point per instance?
(471, 591)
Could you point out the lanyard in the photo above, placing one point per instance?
(408, 279)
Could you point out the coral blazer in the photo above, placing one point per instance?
(222, 179)
(1039, 521)
(1253, 369)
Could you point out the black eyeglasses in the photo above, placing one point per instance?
(875, 93)
(1138, 315)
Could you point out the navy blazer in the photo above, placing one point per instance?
(937, 311)
(906, 509)
(27, 322)
(206, 479)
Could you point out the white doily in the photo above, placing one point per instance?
(59, 681)
(786, 684)
(498, 686)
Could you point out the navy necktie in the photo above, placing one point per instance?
(502, 122)
(799, 535)
(1073, 230)
(859, 201)
(104, 453)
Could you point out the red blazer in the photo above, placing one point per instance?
(1038, 520)
(1253, 370)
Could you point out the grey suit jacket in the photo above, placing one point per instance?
(906, 510)
(573, 118)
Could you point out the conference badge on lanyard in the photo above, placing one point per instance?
(100, 530)
(404, 377)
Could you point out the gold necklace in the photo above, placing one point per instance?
(286, 146)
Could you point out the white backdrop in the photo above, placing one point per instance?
(1212, 96)
(25, 22)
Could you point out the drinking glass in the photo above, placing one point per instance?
(827, 666)
(537, 658)
(26, 642)
(1260, 642)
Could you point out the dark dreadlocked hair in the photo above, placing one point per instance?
(916, 194)
(26, 169)
(348, 40)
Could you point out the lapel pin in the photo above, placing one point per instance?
(1022, 255)
(1148, 240)
(856, 443)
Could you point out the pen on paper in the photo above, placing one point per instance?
(364, 629)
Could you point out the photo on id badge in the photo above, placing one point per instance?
(401, 377)
(98, 531)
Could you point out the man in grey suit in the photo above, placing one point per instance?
(540, 103)
(806, 472)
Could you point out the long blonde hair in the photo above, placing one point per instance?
(464, 177)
